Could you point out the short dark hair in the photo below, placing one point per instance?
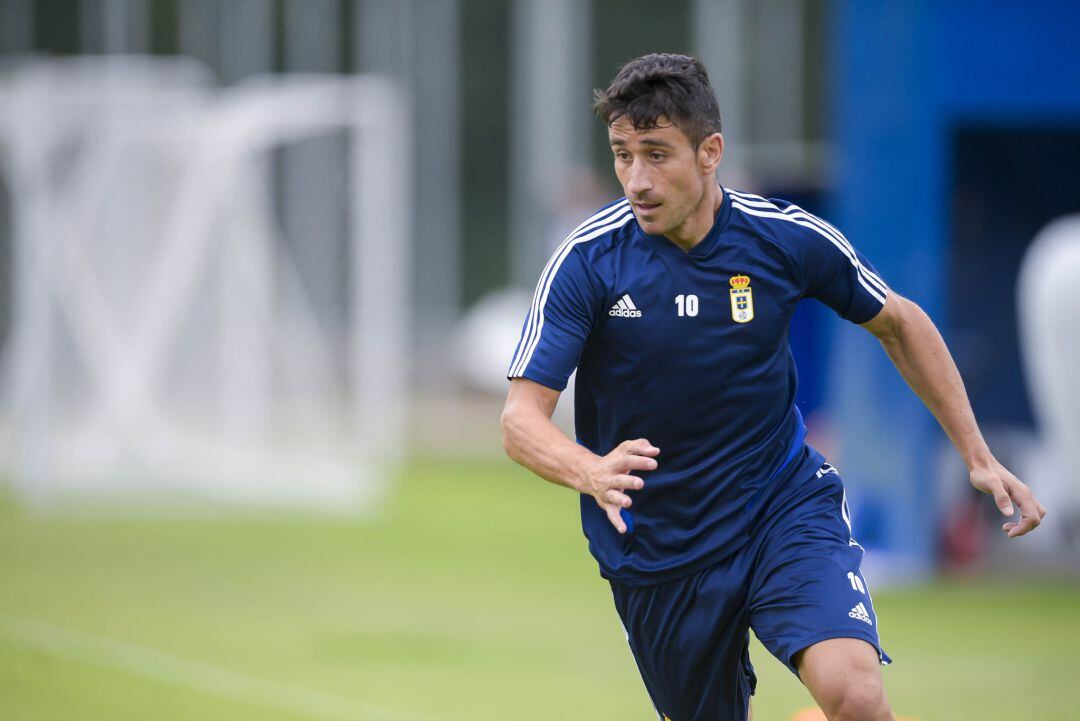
(662, 85)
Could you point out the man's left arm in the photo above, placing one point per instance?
(918, 351)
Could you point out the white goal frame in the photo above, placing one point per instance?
(126, 442)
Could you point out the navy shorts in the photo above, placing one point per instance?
(796, 582)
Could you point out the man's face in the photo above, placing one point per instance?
(660, 173)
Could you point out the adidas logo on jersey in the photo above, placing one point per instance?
(625, 308)
(860, 613)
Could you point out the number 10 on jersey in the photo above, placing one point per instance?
(687, 305)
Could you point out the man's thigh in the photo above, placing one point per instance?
(691, 643)
(807, 585)
(844, 677)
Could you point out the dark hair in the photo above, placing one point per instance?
(662, 85)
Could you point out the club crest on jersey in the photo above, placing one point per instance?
(742, 299)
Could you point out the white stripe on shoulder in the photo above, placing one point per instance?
(799, 219)
(599, 217)
(793, 209)
(797, 212)
(759, 202)
(747, 196)
(527, 348)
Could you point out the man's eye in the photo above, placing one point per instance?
(622, 156)
(657, 156)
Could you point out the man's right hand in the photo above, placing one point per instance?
(532, 440)
(608, 479)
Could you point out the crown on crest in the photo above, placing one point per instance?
(738, 282)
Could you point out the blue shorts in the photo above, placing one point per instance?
(796, 582)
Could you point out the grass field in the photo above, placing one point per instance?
(472, 596)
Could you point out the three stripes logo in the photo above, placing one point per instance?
(825, 470)
(625, 308)
(860, 613)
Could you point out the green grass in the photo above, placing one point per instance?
(472, 596)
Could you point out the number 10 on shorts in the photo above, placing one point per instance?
(856, 582)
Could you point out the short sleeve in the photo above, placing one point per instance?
(837, 274)
(559, 321)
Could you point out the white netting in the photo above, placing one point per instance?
(166, 338)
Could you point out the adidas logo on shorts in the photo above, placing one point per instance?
(625, 308)
(860, 613)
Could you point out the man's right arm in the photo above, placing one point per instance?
(532, 440)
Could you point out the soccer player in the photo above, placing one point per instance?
(705, 508)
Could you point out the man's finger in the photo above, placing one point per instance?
(640, 447)
(1028, 505)
(1002, 500)
(628, 482)
(617, 497)
(639, 463)
(615, 518)
(1027, 523)
(1029, 513)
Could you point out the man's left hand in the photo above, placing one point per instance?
(1007, 489)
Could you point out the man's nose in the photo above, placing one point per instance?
(640, 180)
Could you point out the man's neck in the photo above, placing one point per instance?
(697, 226)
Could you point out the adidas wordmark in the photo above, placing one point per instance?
(625, 308)
(861, 613)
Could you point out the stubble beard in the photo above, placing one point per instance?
(686, 212)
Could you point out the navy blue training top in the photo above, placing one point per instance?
(689, 350)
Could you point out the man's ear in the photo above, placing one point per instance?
(710, 153)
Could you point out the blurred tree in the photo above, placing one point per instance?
(56, 26)
(486, 29)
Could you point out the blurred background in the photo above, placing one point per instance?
(263, 264)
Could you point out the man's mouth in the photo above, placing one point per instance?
(645, 207)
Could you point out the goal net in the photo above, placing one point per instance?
(208, 286)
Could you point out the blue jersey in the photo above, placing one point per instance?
(689, 350)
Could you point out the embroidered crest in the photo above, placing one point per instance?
(742, 299)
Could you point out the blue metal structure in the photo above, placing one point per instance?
(906, 76)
